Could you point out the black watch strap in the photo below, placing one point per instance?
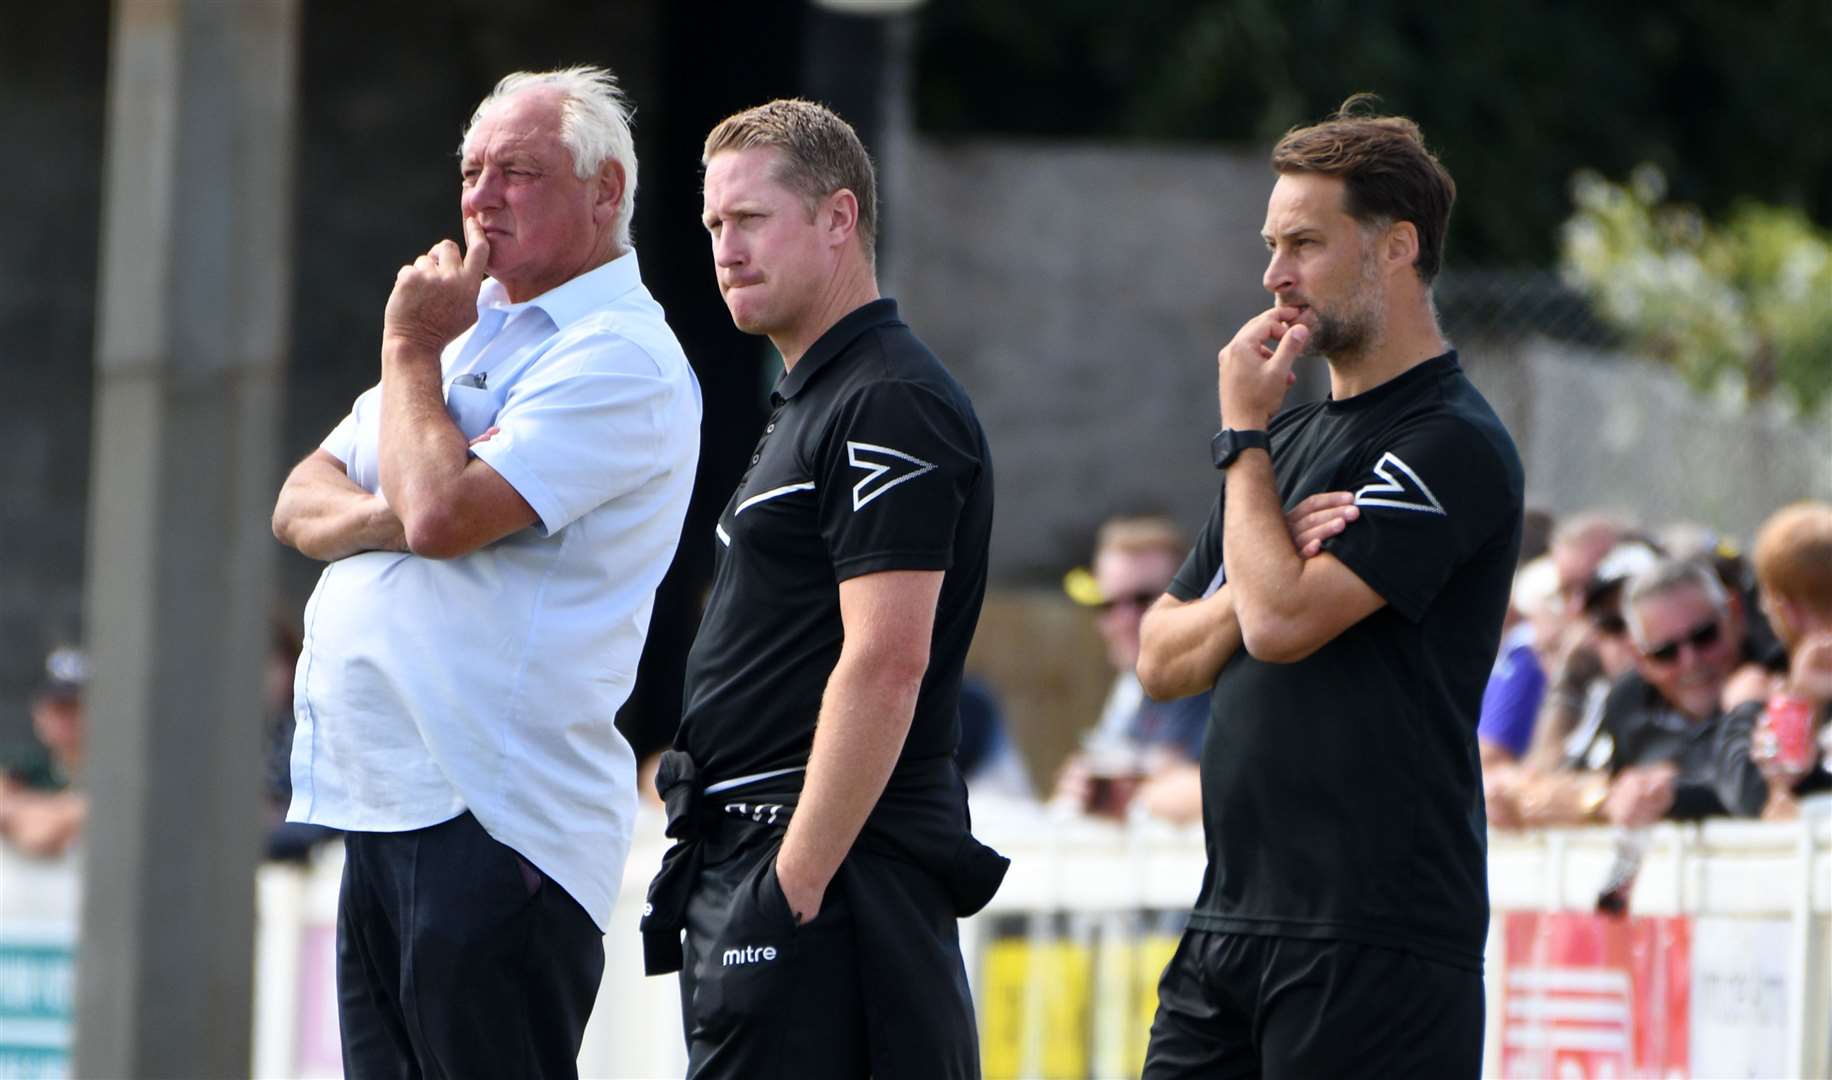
(1228, 443)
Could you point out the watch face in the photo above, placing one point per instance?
(1229, 443)
(1226, 450)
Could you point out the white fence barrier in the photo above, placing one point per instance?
(1724, 967)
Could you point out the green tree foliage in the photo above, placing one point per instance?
(1747, 299)
(1731, 100)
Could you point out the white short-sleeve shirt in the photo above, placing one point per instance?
(490, 682)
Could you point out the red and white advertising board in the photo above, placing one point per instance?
(1593, 996)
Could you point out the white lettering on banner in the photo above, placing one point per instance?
(36, 980)
(749, 954)
(1739, 996)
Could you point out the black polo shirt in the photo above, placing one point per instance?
(1645, 730)
(1342, 794)
(872, 460)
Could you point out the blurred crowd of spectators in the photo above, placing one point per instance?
(1663, 675)
(43, 796)
(1643, 675)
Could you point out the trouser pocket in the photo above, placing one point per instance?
(742, 938)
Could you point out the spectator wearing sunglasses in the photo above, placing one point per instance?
(1688, 636)
(1155, 745)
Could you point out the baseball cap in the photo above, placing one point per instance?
(1624, 561)
(66, 672)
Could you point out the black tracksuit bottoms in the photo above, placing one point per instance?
(872, 986)
(1250, 1005)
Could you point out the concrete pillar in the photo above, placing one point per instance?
(192, 320)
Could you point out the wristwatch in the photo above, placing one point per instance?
(1228, 443)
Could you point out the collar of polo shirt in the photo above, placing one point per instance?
(833, 342)
(574, 299)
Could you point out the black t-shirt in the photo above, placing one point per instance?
(1645, 730)
(1342, 796)
(872, 460)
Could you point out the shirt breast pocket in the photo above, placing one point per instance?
(472, 408)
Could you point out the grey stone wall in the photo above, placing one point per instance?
(1081, 292)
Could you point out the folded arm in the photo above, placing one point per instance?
(450, 503)
(325, 515)
(1286, 606)
(1184, 644)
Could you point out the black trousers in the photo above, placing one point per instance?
(763, 998)
(1245, 1005)
(456, 958)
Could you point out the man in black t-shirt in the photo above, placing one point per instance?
(1343, 912)
(824, 855)
(1661, 720)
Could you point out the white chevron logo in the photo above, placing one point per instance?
(1410, 492)
(880, 462)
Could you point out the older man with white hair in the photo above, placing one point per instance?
(1688, 637)
(495, 515)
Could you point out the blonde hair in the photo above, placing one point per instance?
(1137, 533)
(819, 154)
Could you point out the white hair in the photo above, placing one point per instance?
(594, 125)
(1666, 576)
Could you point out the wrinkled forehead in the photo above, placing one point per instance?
(1305, 200)
(528, 123)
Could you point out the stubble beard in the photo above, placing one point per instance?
(1349, 332)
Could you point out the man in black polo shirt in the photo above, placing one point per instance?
(1662, 720)
(824, 854)
(1341, 921)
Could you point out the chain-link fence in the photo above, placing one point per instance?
(1080, 293)
(1599, 428)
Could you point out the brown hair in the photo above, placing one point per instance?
(1387, 172)
(820, 154)
(1793, 555)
